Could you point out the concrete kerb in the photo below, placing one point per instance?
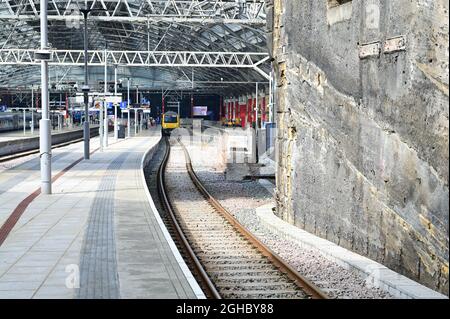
(374, 273)
(184, 268)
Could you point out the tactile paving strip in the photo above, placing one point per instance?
(98, 266)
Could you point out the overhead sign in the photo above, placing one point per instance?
(200, 110)
(123, 105)
(113, 99)
(80, 99)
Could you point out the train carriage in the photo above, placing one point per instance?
(12, 121)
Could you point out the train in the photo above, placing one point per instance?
(12, 121)
(237, 122)
(170, 121)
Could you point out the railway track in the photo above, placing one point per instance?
(35, 151)
(13, 156)
(228, 261)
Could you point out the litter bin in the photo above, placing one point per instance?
(121, 132)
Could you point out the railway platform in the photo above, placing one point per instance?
(17, 142)
(97, 236)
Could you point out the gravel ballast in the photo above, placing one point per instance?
(242, 198)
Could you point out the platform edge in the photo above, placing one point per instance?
(373, 272)
(184, 268)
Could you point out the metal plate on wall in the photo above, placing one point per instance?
(395, 44)
(369, 50)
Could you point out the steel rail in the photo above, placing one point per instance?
(307, 286)
(207, 283)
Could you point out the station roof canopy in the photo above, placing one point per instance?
(206, 45)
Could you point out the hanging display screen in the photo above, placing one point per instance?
(200, 110)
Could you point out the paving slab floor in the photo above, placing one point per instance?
(96, 235)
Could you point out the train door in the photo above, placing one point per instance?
(16, 122)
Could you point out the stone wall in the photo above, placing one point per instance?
(362, 102)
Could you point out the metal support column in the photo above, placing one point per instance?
(129, 109)
(86, 131)
(100, 121)
(137, 94)
(257, 106)
(192, 106)
(162, 104)
(105, 124)
(136, 117)
(59, 108)
(220, 108)
(24, 122)
(32, 112)
(116, 132)
(135, 121)
(45, 138)
(271, 119)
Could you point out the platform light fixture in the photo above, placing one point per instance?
(86, 130)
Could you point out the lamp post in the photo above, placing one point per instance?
(85, 88)
(106, 122)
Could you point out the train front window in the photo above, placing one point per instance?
(170, 119)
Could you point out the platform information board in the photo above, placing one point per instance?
(200, 110)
